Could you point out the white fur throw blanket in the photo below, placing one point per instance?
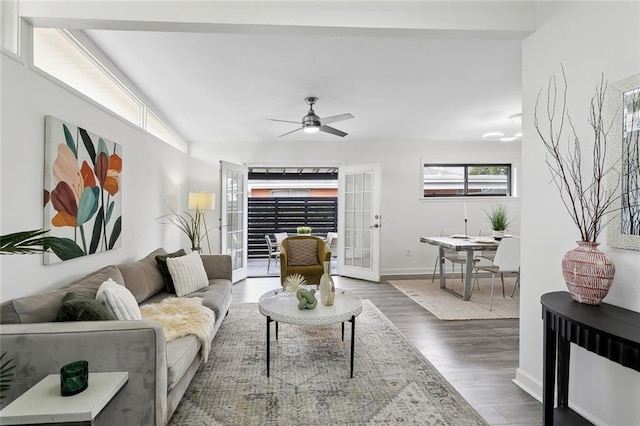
(180, 316)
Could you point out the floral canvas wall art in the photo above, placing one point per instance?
(82, 191)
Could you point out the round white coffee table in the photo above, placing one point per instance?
(279, 306)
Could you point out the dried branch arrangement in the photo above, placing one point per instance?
(584, 193)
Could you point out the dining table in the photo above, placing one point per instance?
(460, 243)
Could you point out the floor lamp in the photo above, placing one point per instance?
(200, 201)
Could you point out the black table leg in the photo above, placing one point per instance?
(549, 371)
(353, 340)
(269, 343)
(276, 330)
(343, 331)
(564, 354)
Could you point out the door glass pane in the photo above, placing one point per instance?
(358, 220)
(368, 181)
(366, 259)
(235, 218)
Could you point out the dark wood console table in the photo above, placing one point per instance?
(607, 330)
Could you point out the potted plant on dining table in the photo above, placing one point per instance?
(498, 220)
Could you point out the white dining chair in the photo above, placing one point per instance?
(453, 256)
(279, 236)
(506, 260)
(332, 243)
(273, 252)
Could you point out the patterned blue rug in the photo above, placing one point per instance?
(393, 382)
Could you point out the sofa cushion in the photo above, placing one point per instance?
(180, 355)
(119, 300)
(143, 277)
(188, 273)
(78, 307)
(216, 296)
(44, 307)
(161, 260)
(302, 252)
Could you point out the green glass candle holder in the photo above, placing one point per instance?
(74, 378)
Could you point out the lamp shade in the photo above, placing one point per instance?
(202, 200)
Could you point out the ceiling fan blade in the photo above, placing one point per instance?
(333, 131)
(335, 118)
(283, 121)
(288, 133)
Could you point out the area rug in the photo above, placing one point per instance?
(393, 382)
(446, 306)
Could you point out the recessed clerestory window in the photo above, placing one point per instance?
(59, 54)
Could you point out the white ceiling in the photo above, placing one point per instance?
(400, 86)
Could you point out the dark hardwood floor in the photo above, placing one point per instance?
(478, 358)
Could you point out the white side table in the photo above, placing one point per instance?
(44, 404)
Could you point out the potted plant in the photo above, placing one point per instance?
(6, 374)
(303, 230)
(498, 220)
(189, 224)
(31, 242)
(587, 271)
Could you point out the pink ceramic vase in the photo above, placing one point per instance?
(588, 273)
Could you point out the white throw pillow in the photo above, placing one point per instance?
(187, 273)
(119, 300)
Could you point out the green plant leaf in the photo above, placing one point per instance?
(25, 242)
(110, 211)
(6, 374)
(69, 138)
(88, 144)
(65, 248)
(115, 233)
(97, 231)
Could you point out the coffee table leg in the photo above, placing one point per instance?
(276, 330)
(343, 331)
(353, 340)
(268, 343)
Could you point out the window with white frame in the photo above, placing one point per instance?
(59, 54)
(466, 180)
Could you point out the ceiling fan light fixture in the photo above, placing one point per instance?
(312, 123)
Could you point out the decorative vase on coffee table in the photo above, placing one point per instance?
(588, 273)
(327, 286)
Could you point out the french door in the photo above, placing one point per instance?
(233, 216)
(359, 221)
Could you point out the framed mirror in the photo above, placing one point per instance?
(623, 231)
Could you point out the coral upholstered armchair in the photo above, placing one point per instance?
(304, 255)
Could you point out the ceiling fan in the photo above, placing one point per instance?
(311, 123)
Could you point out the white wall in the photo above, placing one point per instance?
(153, 172)
(404, 216)
(588, 38)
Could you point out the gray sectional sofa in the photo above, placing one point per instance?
(159, 372)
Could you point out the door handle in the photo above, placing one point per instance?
(375, 225)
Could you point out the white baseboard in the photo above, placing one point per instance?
(529, 384)
(406, 271)
(533, 387)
